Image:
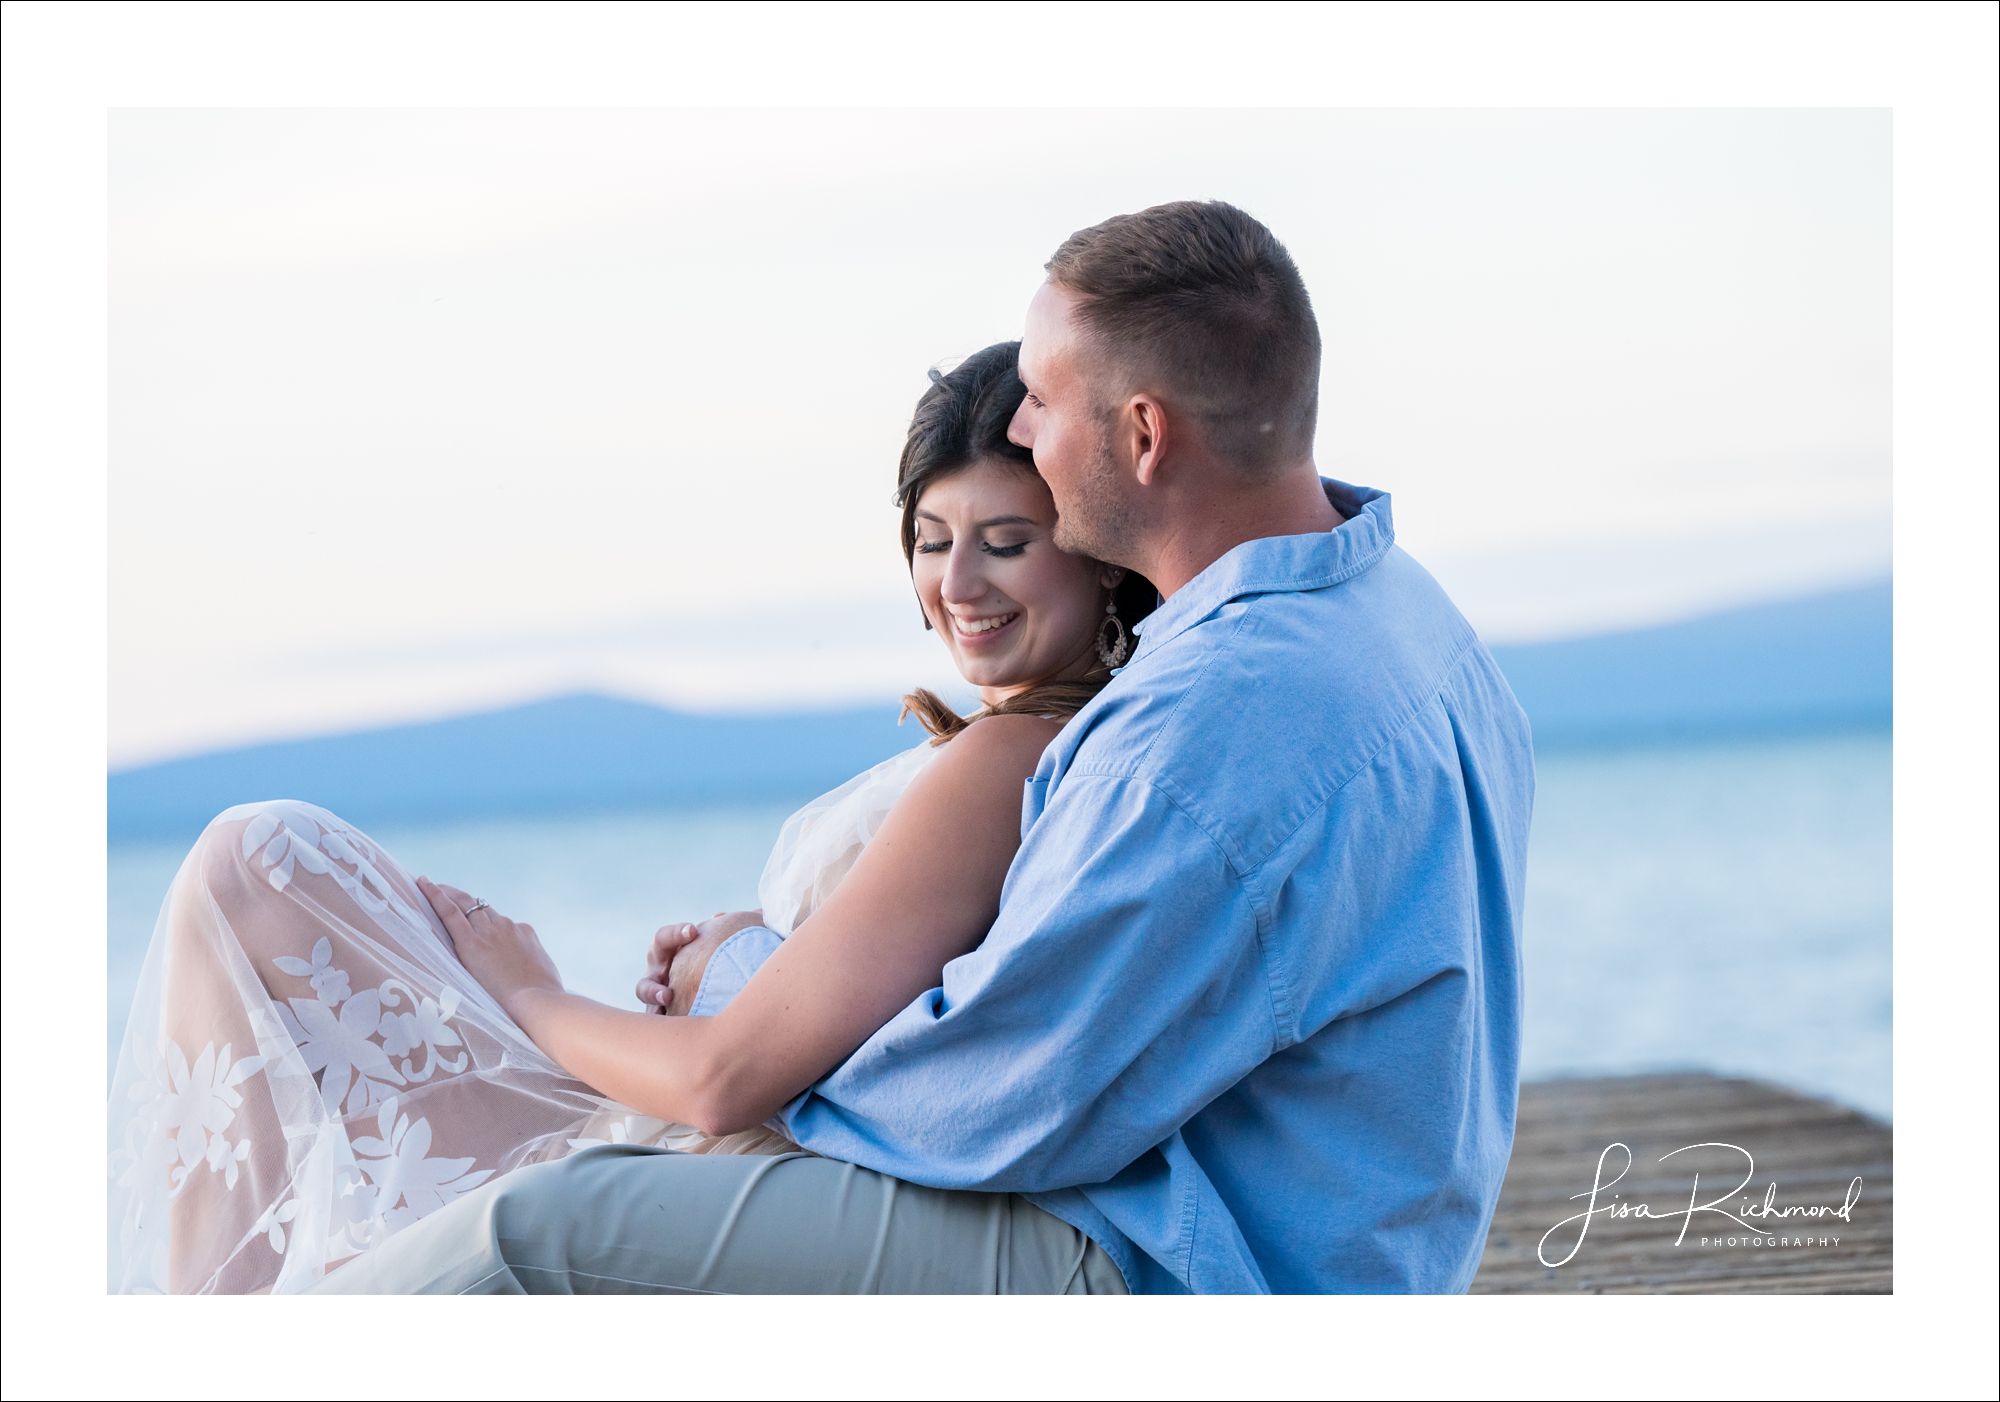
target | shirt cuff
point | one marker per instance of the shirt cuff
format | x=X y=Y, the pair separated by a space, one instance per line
x=731 y=966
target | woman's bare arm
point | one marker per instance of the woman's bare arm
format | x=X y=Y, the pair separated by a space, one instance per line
x=925 y=891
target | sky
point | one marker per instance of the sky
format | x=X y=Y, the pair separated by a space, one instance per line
x=422 y=412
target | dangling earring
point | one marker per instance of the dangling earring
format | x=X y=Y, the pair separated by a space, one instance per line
x=1113 y=642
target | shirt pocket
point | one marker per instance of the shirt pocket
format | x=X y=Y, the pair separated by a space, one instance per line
x=1034 y=798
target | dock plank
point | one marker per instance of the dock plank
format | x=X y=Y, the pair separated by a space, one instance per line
x=1812 y=1150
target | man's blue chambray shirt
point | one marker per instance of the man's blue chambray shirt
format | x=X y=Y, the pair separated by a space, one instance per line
x=1250 y=1014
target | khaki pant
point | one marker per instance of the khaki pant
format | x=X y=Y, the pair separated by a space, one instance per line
x=623 y=1219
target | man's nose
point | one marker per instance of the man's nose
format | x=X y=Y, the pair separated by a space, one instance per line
x=1020 y=431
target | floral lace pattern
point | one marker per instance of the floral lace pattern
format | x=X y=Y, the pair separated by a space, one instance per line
x=405 y=1184
x=383 y=1085
x=351 y=1039
x=288 y=836
x=338 y=1055
x=189 y=1108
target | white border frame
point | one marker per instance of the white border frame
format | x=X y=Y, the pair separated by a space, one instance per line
x=65 y=64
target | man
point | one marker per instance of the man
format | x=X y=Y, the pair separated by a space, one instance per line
x=1249 y=1017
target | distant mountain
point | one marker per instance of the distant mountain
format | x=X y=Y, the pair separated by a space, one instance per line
x=573 y=753
x=1806 y=664
x=1811 y=664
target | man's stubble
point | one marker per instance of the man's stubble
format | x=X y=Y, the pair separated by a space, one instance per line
x=1098 y=521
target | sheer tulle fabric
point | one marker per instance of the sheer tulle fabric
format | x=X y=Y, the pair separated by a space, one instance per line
x=818 y=845
x=308 y=1069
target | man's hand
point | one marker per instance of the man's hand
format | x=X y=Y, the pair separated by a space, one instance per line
x=679 y=956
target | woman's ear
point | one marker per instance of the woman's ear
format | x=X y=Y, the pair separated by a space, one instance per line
x=1111 y=576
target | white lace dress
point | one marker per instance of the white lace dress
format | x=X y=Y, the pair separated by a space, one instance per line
x=308 y=1069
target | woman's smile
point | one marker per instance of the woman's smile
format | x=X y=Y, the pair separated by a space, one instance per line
x=982 y=630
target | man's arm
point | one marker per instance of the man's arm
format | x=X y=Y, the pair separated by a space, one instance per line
x=678 y=958
x=1121 y=989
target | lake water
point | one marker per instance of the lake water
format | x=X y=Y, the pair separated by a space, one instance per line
x=1721 y=905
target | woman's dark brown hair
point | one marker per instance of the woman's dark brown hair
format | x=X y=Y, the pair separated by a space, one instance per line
x=962 y=419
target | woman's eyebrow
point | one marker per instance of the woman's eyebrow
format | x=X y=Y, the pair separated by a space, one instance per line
x=981 y=525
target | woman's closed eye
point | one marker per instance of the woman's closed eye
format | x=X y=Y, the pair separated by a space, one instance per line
x=1004 y=552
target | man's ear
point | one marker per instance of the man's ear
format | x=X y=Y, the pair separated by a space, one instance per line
x=1146 y=423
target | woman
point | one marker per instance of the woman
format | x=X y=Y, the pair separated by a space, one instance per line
x=324 y=1049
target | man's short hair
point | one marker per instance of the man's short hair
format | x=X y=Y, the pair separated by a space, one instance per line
x=1201 y=303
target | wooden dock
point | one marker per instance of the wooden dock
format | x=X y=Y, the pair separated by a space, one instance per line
x=1812 y=1151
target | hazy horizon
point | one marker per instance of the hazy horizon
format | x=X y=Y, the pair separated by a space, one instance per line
x=1577 y=695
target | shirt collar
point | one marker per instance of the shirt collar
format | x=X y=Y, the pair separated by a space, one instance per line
x=1280 y=564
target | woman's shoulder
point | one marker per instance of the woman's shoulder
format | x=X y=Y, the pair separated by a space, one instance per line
x=995 y=749
x=1008 y=734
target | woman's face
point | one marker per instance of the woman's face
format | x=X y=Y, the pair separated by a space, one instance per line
x=1014 y=610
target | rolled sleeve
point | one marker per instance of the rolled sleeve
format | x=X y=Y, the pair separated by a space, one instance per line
x=731 y=967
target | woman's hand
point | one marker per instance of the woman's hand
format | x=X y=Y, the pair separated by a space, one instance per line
x=679 y=957
x=655 y=991
x=506 y=958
